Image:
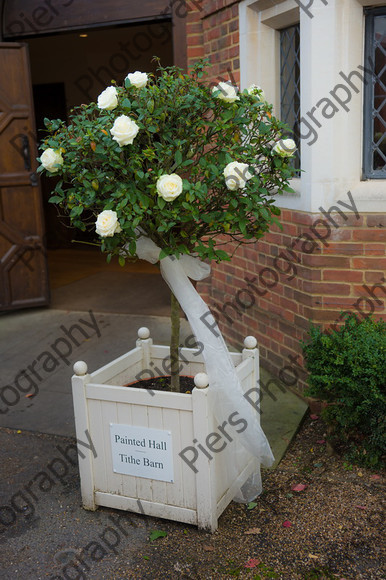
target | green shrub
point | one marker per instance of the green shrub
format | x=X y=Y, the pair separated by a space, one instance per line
x=347 y=370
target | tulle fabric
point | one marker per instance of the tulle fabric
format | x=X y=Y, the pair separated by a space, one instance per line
x=225 y=391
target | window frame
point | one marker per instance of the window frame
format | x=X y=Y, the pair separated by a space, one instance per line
x=368 y=99
x=333 y=165
x=293 y=133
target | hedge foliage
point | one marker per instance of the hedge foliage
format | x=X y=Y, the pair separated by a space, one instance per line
x=347 y=370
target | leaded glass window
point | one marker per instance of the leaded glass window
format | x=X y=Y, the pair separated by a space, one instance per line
x=290 y=85
x=374 y=141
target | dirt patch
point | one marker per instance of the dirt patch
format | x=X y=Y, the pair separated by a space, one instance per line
x=163 y=384
x=318 y=518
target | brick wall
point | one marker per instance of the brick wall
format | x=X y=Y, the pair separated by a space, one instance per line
x=312 y=269
x=214 y=33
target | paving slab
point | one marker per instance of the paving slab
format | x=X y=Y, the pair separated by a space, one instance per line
x=44 y=531
x=38 y=349
x=282 y=413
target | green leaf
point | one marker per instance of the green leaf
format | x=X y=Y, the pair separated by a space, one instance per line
x=55 y=199
x=150 y=105
x=76 y=211
x=163 y=254
x=251 y=505
x=187 y=162
x=221 y=255
x=178 y=157
x=132 y=247
x=227 y=115
x=121 y=261
x=155 y=534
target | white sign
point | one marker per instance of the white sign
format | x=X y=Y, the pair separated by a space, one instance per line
x=142 y=452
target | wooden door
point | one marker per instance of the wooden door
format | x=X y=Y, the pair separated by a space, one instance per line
x=23 y=264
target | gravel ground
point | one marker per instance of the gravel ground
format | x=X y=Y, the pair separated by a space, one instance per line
x=336 y=526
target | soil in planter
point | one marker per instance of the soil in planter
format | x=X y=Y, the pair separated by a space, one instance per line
x=163 y=384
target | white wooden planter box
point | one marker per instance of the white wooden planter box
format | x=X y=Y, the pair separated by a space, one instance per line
x=100 y=399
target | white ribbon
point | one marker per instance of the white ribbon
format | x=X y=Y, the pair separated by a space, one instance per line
x=225 y=389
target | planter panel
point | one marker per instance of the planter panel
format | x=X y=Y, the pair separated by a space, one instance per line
x=193 y=497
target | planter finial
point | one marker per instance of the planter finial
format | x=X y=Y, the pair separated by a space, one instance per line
x=143 y=333
x=201 y=380
x=80 y=368
x=250 y=342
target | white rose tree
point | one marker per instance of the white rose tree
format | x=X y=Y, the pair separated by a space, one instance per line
x=166 y=157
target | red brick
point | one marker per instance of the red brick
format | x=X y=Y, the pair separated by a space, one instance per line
x=193 y=16
x=341 y=234
x=290 y=305
x=290 y=230
x=234 y=25
x=225 y=67
x=303 y=218
x=234 y=51
x=285 y=215
x=376 y=221
x=302 y=322
x=374 y=235
x=304 y=298
x=343 y=275
x=375 y=249
x=322 y=288
x=195 y=40
x=275 y=347
x=339 y=302
x=288 y=315
x=375 y=291
x=374 y=277
x=223 y=42
x=196 y=51
x=273 y=333
x=193 y=28
x=222 y=17
x=308 y=273
x=329 y=316
x=325 y=261
x=343 y=249
x=347 y=219
x=369 y=263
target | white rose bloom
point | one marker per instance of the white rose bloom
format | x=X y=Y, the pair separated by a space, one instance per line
x=107 y=224
x=169 y=186
x=138 y=79
x=124 y=130
x=257 y=91
x=108 y=99
x=236 y=175
x=285 y=147
x=51 y=159
x=227 y=92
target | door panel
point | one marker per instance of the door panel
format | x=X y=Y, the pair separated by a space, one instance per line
x=23 y=263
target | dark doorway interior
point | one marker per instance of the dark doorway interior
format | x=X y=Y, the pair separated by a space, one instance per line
x=50 y=102
x=69 y=69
